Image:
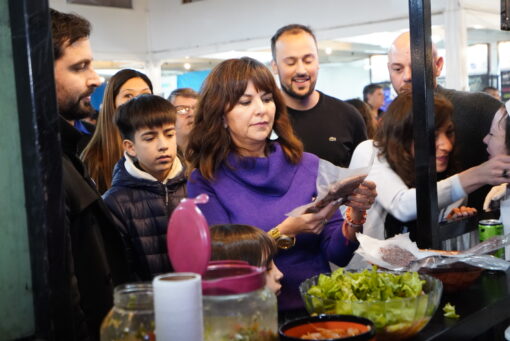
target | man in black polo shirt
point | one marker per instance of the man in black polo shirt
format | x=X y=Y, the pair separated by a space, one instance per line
x=328 y=127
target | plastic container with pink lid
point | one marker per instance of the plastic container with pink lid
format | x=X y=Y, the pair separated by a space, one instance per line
x=236 y=304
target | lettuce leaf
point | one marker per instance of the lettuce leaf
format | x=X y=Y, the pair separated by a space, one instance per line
x=449 y=311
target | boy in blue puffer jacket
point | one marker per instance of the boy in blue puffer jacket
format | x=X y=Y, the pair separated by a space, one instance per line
x=148 y=182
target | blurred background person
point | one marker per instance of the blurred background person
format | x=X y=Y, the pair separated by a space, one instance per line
x=184 y=100
x=493 y=92
x=105 y=147
x=373 y=95
x=363 y=108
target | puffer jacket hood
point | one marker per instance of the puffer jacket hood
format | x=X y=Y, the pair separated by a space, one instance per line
x=122 y=178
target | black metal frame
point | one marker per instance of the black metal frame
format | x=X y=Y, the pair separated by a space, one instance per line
x=505 y=15
x=424 y=124
x=430 y=233
x=40 y=145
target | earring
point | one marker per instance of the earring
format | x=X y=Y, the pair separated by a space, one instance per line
x=273 y=136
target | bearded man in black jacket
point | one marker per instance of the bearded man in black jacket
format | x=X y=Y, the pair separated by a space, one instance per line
x=91 y=256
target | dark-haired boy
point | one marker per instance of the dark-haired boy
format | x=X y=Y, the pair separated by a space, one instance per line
x=148 y=182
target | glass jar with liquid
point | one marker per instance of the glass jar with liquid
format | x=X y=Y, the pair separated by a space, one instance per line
x=132 y=316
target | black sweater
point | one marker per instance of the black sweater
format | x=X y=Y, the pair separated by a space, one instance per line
x=331 y=130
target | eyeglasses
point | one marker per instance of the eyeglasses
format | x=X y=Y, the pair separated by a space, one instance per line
x=184 y=109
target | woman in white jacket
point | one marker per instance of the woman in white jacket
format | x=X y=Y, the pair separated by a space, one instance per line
x=394 y=173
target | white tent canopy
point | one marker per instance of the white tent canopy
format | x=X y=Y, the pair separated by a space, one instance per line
x=155 y=31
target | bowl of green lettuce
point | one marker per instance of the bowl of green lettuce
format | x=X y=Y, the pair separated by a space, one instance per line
x=399 y=303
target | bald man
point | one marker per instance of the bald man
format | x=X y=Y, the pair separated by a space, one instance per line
x=472 y=111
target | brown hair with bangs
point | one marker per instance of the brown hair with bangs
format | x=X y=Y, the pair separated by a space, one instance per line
x=242 y=242
x=394 y=136
x=145 y=111
x=209 y=142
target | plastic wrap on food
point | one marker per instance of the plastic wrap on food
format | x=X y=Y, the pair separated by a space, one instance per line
x=399 y=253
x=334 y=184
x=492 y=244
x=486 y=262
x=395 y=253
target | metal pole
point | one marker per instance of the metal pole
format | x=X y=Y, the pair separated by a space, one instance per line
x=41 y=154
x=424 y=124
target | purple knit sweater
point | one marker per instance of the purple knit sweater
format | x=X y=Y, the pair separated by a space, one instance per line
x=259 y=192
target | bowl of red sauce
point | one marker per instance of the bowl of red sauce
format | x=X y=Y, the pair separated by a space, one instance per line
x=328 y=328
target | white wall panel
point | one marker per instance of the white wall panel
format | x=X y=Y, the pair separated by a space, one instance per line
x=117 y=33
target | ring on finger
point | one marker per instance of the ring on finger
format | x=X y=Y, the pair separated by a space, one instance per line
x=505 y=173
x=324 y=221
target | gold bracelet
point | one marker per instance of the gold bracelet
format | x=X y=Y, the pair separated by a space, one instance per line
x=282 y=240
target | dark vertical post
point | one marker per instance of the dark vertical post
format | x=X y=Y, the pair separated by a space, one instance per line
x=424 y=125
x=505 y=15
x=41 y=153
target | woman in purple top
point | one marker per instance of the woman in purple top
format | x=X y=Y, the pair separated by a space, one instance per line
x=253 y=180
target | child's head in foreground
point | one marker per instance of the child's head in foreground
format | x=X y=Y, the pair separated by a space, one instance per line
x=249 y=244
x=147 y=126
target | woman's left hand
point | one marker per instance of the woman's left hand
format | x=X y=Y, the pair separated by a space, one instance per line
x=362 y=198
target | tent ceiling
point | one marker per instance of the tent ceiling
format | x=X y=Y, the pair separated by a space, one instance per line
x=166 y=32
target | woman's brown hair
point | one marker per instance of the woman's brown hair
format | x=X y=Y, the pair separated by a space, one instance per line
x=364 y=110
x=209 y=141
x=105 y=147
x=242 y=242
x=395 y=139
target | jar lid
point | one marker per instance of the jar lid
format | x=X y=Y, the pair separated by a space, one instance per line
x=226 y=278
x=188 y=237
x=189 y=250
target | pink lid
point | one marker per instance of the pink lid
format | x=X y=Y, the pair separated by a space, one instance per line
x=188 y=238
x=189 y=250
x=232 y=278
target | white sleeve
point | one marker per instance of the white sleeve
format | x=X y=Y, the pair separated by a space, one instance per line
x=399 y=200
x=363 y=155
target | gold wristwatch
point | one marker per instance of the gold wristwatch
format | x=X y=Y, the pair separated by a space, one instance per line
x=282 y=240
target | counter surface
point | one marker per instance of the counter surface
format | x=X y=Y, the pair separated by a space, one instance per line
x=484 y=305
